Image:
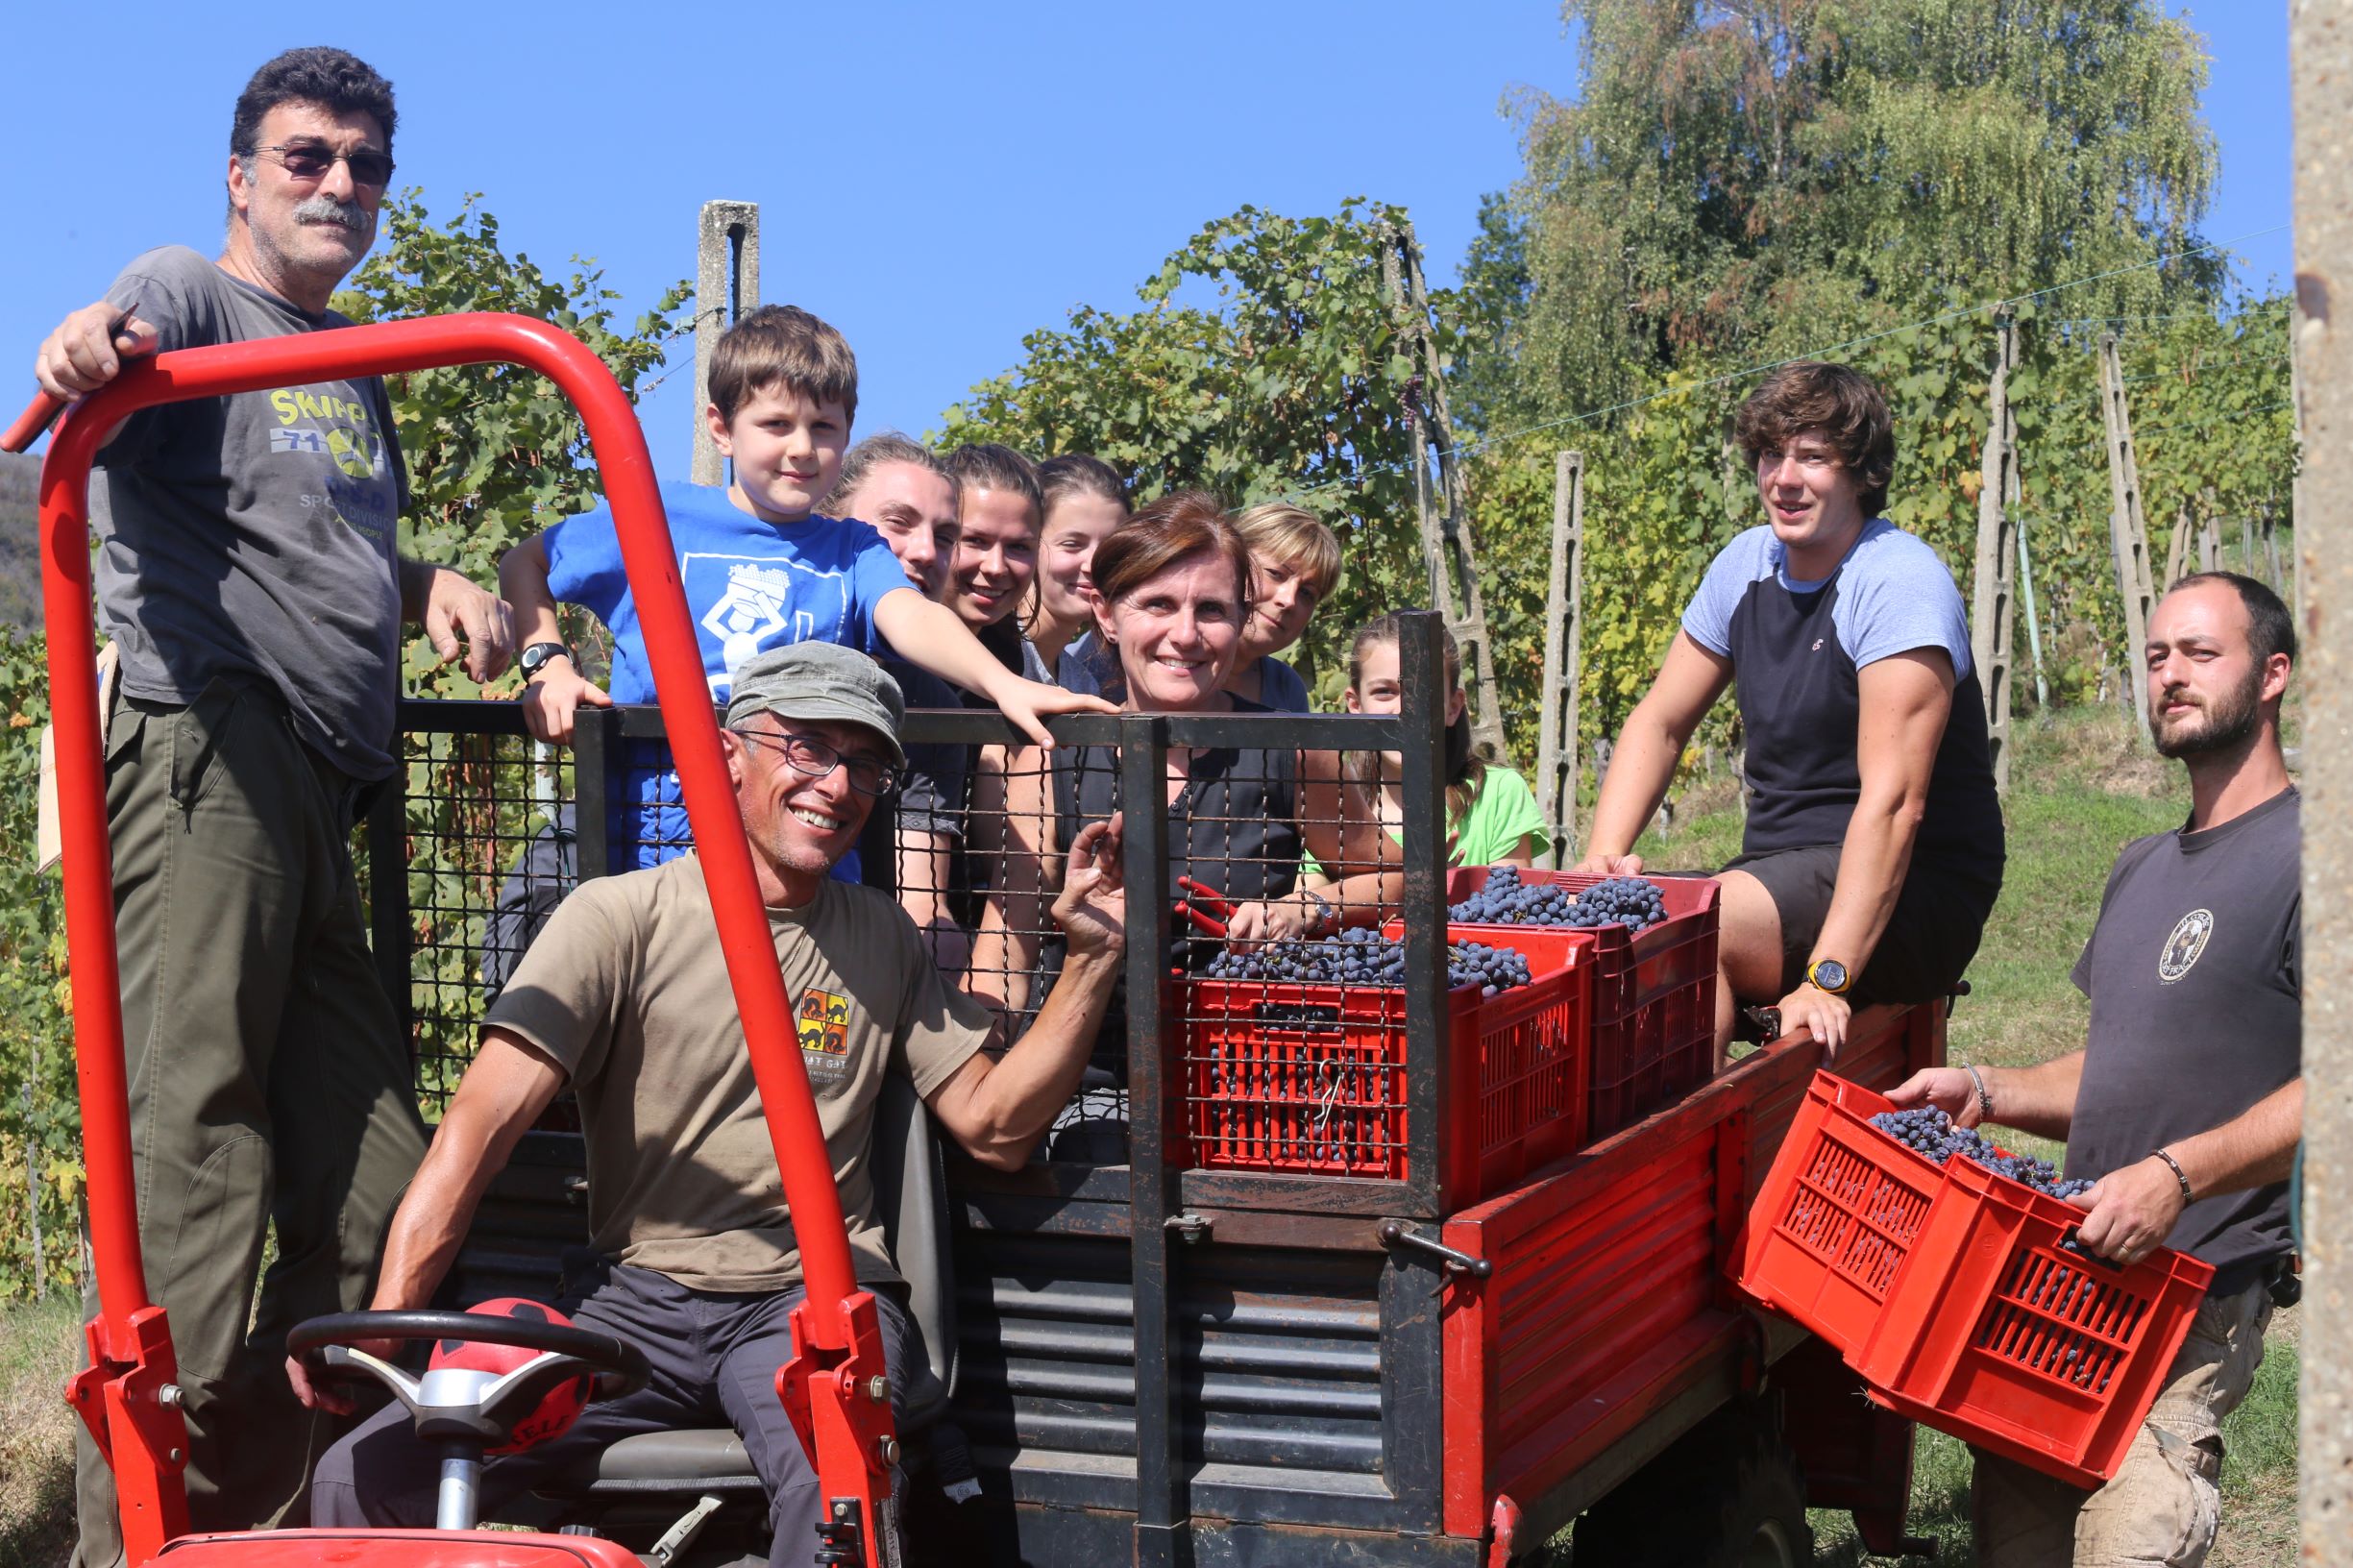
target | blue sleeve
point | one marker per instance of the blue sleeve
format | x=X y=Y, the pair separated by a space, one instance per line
x=874 y=571
x=1708 y=617
x=584 y=563
x=1902 y=599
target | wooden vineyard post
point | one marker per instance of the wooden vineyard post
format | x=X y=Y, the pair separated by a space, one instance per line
x=1992 y=606
x=2127 y=536
x=1563 y=634
x=1447 y=546
x=2177 y=551
x=727 y=285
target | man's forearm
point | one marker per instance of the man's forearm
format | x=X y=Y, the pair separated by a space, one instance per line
x=1871 y=863
x=416 y=579
x=1033 y=1080
x=2040 y=1099
x=2253 y=1149
x=430 y=1224
x=1640 y=769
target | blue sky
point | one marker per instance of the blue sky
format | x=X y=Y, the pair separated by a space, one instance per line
x=936 y=180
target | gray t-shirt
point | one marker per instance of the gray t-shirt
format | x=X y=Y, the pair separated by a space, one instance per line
x=2195 y=977
x=255 y=535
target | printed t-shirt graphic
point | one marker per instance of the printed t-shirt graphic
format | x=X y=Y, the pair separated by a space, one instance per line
x=824 y=1027
x=253 y=535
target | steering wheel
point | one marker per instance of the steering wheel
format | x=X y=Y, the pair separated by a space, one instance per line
x=466 y=1411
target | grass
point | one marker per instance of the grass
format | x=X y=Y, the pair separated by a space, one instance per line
x=36 y=1467
x=2080 y=789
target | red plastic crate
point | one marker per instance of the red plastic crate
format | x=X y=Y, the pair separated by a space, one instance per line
x=1958 y=1295
x=1653 y=992
x=1310 y=1079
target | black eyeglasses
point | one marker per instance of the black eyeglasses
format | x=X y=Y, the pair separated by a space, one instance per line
x=805 y=754
x=312 y=160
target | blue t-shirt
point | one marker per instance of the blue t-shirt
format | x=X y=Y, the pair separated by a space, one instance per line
x=1797 y=650
x=1894 y=595
x=751 y=586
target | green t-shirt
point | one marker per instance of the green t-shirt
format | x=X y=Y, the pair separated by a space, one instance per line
x=1502 y=815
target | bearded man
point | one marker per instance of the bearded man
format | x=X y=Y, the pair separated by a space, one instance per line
x=2187 y=1101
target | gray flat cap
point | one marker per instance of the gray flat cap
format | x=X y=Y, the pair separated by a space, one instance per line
x=819 y=682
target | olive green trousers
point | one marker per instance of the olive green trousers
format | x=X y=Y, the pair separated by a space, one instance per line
x=270 y=1085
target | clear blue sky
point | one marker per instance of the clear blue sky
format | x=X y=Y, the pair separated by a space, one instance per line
x=936 y=180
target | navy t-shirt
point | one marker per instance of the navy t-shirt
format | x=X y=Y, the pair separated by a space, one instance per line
x=1797 y=648
x=2195 y=977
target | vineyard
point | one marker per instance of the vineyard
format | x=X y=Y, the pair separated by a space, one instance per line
x=1272 y=356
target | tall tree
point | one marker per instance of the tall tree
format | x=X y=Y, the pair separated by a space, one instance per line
x=1749 y=178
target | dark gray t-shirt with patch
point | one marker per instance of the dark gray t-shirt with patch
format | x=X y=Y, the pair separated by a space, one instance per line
x=2196 y=976
x=255 y=535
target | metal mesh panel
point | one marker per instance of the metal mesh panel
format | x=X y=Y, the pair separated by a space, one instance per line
x=490 y=848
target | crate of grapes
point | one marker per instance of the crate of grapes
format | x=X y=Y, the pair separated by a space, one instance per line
x=1294 y=1060
x=1652 y=941
x=1945 y=1269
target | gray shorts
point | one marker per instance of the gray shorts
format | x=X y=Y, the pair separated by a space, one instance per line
x=1929 y=940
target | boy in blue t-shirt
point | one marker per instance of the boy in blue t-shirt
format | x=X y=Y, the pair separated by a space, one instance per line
x=759 y=567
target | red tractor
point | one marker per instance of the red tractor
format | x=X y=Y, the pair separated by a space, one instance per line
x=127 y=1396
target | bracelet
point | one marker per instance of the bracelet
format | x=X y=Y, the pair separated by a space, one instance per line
x=2180 y=1175
x=1985 y=1097
x=1324 y=916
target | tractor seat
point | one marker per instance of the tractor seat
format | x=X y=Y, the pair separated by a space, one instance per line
x=911 y=1195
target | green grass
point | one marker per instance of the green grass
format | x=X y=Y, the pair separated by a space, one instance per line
x=2080 y=789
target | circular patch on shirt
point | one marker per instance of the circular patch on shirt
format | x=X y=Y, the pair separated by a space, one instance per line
x=2183 y=947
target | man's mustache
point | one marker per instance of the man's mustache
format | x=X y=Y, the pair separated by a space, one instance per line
x=325 y=209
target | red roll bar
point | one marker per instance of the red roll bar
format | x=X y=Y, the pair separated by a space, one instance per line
x=121 y=1396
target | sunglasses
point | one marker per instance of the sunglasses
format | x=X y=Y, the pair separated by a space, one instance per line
x=312 y=160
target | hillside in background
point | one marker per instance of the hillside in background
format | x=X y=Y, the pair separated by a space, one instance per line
x=21 y=568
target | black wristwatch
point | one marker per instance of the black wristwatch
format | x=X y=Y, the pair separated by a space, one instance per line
x=535 y=658
x=1829 y=974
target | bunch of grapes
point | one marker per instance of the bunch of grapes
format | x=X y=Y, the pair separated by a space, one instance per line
x=1359 y=957
x=1928 y=1131
x=1629 y=901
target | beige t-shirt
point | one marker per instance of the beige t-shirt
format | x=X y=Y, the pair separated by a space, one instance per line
x=626 y=990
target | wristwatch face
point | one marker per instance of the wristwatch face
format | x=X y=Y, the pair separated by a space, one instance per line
x=1830 y=975
x=537 y=654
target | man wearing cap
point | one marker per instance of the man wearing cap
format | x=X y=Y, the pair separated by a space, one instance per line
x=625 y=996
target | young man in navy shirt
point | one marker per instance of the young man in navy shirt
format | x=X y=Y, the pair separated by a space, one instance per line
x=1874 y=848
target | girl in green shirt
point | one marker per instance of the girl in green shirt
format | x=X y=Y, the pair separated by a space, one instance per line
x=1491 y=817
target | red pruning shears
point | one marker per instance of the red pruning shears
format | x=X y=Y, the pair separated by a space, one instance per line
x=1207 y=909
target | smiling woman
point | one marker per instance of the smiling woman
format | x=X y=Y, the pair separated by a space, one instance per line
x=1172 y=590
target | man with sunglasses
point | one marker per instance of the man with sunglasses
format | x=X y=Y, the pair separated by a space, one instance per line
x=625 y=996
x=248 y=576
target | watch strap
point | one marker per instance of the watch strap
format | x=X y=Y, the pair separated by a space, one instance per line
x=546 y=651
x=1845 y=977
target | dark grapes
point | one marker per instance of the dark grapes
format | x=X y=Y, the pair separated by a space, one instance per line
x=1928 y=1131
x=1360 y=957
x=1631 y=901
